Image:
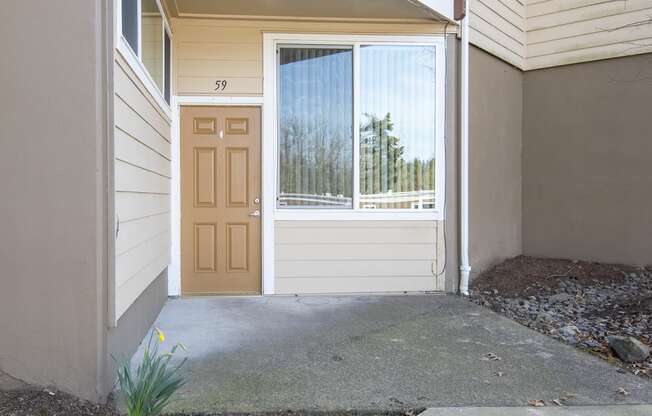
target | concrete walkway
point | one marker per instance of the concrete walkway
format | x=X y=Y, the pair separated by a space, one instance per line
x=254 y=354
x=622 y=410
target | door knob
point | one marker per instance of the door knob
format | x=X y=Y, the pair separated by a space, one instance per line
x=256 y=213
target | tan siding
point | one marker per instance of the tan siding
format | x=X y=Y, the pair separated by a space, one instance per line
x=207 y=50
x=142 y=185
x=354 y=284
x=136 y=232
x=562 y=32
x=543 y=33
x=357 y=256
x=132 y=206
x=132 y=151
x=498 y=26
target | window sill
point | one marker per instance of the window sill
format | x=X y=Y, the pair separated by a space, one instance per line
x=143 y=75
x=316 y=214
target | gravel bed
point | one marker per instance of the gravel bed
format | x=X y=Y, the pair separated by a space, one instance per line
x=579 y=303
x=39 y=402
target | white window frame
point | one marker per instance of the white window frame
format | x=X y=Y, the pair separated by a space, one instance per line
x=134 y=60
x=270 y=145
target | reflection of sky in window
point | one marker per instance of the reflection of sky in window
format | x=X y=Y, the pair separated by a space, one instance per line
x=400 y=80
x=316 y=91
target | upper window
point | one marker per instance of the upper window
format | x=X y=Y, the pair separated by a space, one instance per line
x=388 y=160
x=152 y=31
x=144 y=30
x=130 y=19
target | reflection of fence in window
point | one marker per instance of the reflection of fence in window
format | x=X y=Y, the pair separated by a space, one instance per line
x=322 y=201
x=424 y=199
x=391 y=200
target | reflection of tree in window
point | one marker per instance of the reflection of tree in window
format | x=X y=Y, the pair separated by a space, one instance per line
x=315 y=161
x=397 y=126
x=383 y=168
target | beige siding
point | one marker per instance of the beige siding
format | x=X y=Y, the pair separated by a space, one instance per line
x=313 y=256
x=358 y=256
x=142 y=186
x=208 y=50
x=568 y=31
x=498 y=26
x=532 y=34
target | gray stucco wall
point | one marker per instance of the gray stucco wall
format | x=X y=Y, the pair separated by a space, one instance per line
x=495 y=141
x=133 y=325
x=53 y=209
x=587 y=161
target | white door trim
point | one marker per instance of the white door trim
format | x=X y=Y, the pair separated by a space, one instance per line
x=267 y=240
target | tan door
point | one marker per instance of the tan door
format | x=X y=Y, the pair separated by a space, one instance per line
x=220 y=200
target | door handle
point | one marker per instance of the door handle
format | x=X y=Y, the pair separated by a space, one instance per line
x=256 y=213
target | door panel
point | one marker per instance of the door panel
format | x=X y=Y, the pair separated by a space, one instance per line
x=220 y=200
x=204 y=177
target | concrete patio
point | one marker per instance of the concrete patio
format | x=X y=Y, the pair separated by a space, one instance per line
x=254 y=354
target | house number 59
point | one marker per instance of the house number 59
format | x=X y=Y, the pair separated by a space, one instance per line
x=220 y=85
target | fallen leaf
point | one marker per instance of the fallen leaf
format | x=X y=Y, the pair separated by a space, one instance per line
x=536 y=403
x=568 y=396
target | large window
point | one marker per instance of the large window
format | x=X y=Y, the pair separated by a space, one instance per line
x=145 y=36
x=358 y=126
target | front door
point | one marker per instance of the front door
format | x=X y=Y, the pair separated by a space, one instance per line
x=220 y=200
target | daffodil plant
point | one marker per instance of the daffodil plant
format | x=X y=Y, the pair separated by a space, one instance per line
x=148 y=388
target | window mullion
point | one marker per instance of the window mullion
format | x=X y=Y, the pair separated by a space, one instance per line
x=356 y=126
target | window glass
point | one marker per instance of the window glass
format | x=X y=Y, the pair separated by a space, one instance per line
x=152 y=40
x=167 y=67
x=315 y=136
x=397 y=127
x=130 y=23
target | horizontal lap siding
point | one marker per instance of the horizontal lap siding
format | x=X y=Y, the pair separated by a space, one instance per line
x=313 y=256
x=208 y=50
x=565 y=32
x=142 y=186
x=358 y=256
x=498 y=26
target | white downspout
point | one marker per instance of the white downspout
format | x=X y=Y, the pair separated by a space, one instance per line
x=465 y=267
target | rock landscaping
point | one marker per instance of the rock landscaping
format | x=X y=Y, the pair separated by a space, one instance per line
x=602 y=308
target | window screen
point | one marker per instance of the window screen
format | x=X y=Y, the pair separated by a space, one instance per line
x=130 y=23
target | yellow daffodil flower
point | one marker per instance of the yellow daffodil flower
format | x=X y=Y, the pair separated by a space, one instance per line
x=160 y=335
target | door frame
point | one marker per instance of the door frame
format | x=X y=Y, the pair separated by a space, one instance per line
x=267 y=228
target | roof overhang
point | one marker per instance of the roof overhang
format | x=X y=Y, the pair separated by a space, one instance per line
x=354 y=10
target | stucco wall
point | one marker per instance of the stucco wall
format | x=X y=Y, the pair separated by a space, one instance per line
x=495 y=117
x=587 y=155
x=53 y=209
